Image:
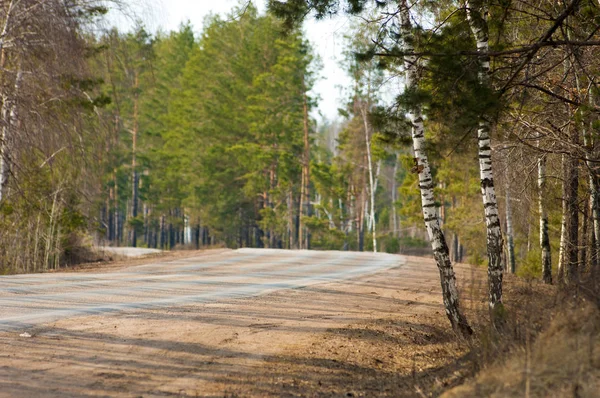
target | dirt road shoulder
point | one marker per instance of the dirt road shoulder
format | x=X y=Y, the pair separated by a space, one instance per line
x=381 y=334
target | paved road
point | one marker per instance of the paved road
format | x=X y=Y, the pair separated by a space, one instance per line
x=128 y=251
x=27 y=300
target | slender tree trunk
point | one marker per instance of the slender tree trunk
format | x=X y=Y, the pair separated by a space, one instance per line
x=134 y=173
x=371 y=177
x=361 y=221
x=116 y=235
x=544 y=237
x=563 y=225
x=271 y=204
x=572 y=255
x=395 y=225
x=147 y=231
x=51 y=231
x=301 y=212
x=594 y=194
x=110 y=215
x=477 y=16
x=291 y=228
x=455 y=248
x=161 y=232
x=509 y=228
x=438 y=241
x=594 y=197
x=583 y=236
x=304 y=190
x=116 y=213
x=4 y=151
x=455 y=251
x=36 y=243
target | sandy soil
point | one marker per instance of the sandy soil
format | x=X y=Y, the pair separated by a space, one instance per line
x=382 y=334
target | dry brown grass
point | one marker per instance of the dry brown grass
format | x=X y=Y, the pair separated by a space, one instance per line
x=548 y=346
x=564 y=361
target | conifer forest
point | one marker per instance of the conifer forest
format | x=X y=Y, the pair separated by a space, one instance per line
x=470 y=134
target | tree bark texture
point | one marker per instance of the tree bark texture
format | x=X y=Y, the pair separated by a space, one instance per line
x=372 y=185
x=303 y=239
x=438 y=241
x=572 y=232
x=544 y=237
x=477 y=16
x=134 y=173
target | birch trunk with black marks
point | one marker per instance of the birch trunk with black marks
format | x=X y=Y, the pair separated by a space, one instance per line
x=544 y=237
x=438 y=241
x=477 y=15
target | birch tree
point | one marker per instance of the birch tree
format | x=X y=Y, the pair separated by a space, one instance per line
x=426 y=184
x=477 y=13
x=543 y=221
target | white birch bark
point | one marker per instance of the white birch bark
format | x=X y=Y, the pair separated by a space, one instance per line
x=544 y=238
x=394 y=198
x=9 y=118
x=563 y=224
x=430 y=216
x=371 y=177
x=187 y=230
x=509 y=230
x=477 y=16
x=377 y=174
x=593 y=178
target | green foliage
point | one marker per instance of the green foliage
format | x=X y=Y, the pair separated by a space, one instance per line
x=219 y=118
x=294 y=11
x=531 y=266
x=389 y=243
x=323 y=236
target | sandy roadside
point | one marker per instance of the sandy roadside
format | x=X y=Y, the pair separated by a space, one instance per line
x=280 y=344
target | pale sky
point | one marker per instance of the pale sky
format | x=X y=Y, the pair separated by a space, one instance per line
x=325 y=36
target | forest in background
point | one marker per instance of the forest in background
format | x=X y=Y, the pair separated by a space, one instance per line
x=183 y=140
x=178 y=139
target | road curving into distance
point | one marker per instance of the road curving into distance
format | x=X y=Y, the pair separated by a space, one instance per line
x=29 y=300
